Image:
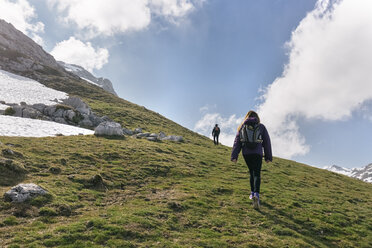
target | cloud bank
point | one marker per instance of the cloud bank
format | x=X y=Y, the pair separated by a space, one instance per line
x=111 y=17
x=328 y=75
x=21 y=14
x=228 y=126
x=76 y=52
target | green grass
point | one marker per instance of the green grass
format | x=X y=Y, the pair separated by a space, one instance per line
x=165 y=194
x=168 y=194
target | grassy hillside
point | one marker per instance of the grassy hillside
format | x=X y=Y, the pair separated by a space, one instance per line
x=177 y=195
x=164 y=194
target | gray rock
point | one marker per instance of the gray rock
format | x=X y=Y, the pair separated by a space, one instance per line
x=49 y=110
x=18 y=110
x=23 y=192
x=138 y=130
x=152 y=138
x=86 y=123
x=162 y=135
x=174 y=138
x=22 y=52
x=96 y=120
x=109 y=129
x=39 y=107
x=141 y=135
x=153 y=135
x=127 y=131
x=32 y=113
x=58 y=113
x=84 y=74
x=77 y=104
x=60 y=120
x=69 y=114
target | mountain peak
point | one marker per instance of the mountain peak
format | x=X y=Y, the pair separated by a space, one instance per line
x=78 y=70
x=363 y=173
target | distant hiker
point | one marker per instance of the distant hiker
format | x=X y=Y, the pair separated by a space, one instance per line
x=252 y=138
x=215 y=133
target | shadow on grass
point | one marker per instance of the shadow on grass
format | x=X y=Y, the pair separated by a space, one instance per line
x=308 y=230
x=109 y=137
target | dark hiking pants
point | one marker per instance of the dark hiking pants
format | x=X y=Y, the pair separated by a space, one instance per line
x=215 y=139
x=254 y=163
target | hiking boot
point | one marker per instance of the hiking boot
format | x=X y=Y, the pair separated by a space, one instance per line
x=251 y=195
x=256 y=200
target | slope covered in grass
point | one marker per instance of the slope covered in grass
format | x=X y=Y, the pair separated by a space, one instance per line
x=168 y=194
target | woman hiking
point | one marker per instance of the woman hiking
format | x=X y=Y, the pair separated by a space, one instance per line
x=253 y=139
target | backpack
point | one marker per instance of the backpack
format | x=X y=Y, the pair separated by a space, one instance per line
x=250 y=135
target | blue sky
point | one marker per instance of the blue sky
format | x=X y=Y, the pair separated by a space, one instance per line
x=302 y=64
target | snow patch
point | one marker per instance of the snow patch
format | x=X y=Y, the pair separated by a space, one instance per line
x=71 y=68
x=17 y=126
x=17 y=89
x=363 y=173
x=3 y=107
x=90 y=81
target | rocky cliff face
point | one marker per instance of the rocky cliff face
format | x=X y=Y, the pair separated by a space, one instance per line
x=20 y=54
x=104 y=83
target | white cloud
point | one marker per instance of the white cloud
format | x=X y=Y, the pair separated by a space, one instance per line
x=104 y=17
x=76 y=52
x=21 y=14
x=171 y=8
x=228 y=126
x=207 y=108
x=110 y=17
x=328 y=75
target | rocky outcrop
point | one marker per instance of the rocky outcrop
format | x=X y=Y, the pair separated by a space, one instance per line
x=77 y=70
x=19 y=53
x=73 y=111
x=24 y=192
x=108 y=128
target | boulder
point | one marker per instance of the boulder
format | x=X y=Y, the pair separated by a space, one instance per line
x=127 y=131
x=86 y=122
x=162 y=135
x=18 y=110
x=77 y=104
x=23 y=192
x=96 y=120
x=153 y=135
x=152 y=138
x=39 y=107
x=174 y=138
x=60 y=120
x=31 y=113
x=138 y=130
x=49 y=110
x=69 y=114
x=108 y=129
x=58 y=113
x=140 y=135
